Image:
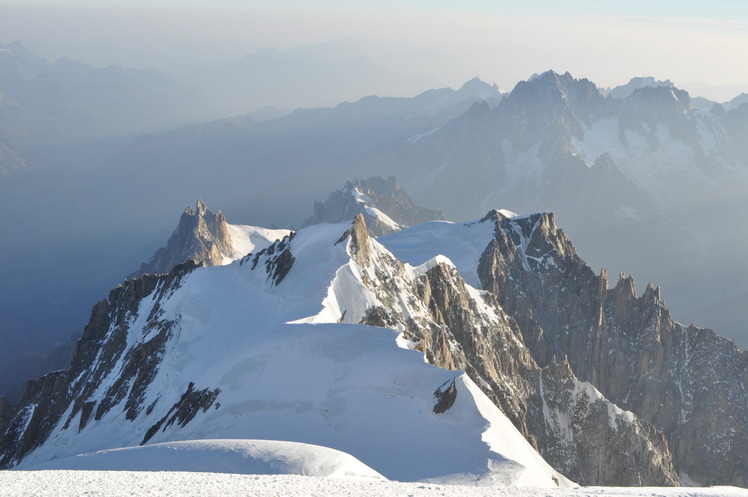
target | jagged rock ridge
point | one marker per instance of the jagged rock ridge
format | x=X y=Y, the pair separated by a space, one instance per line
x=386 y=207
x=685 y=382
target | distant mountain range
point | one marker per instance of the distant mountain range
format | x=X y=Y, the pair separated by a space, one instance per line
x=63 y=103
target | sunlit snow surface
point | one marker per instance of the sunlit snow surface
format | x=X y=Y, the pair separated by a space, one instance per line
x=168 y=484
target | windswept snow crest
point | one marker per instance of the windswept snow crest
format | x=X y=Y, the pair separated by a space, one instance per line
x=259 y=457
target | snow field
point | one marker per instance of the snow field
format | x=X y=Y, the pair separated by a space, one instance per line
x=176 y=484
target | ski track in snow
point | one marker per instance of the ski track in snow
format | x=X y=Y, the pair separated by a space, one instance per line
x=169 y=483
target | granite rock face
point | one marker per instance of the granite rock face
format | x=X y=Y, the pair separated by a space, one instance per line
x=201 y=236
x=686 y=381
x=386 y=207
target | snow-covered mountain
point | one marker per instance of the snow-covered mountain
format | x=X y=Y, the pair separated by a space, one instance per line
x=305 y=341
x=386 y=207
x=269 y=348
x=605 y=384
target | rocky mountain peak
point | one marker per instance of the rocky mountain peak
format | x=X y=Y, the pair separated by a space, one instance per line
x=478 y=88
x=202 y=236
x=385 y=206
x=623 y=91
x=358 y=234
x=551 y=87
x=201 y=208
x=16 y=49
x=660 y=103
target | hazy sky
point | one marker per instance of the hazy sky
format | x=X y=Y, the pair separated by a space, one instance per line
x=700 y=46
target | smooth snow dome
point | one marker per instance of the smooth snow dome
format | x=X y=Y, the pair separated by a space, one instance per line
x=173 y=484
x=344 y=386
x=261 y=457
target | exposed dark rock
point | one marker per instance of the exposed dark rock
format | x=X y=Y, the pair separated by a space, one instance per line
x=278 y=259
x=6 y=413
x=42 y=404
x=86 y=412
x=590 y=439
x=185 y=409
x=445 y=397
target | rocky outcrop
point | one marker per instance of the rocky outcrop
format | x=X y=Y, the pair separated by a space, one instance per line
x=385 y=206
x=201 y=236
x=278 y=259
x=184 y=410
x=686 y=381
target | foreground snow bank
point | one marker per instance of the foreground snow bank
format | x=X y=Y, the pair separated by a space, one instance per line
x=267 y=457
x=166 y=484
